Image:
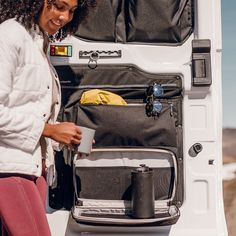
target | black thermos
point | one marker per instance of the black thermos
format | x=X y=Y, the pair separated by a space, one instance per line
x=143 y=200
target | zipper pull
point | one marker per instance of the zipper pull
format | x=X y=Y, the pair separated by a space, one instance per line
x=171 y=108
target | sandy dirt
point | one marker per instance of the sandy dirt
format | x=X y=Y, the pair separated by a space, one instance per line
x=229 y=156
x=230 y=205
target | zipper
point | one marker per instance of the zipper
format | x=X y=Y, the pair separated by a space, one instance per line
x=168 y=87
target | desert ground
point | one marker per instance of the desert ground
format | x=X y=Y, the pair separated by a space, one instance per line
x=229 y=157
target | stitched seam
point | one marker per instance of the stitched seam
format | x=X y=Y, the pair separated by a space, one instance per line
x=4 y=227
x=28 y=206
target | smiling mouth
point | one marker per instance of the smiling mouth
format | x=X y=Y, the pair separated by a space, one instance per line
x=56 y=23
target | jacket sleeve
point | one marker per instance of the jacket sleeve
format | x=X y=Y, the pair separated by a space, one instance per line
x=17 y=130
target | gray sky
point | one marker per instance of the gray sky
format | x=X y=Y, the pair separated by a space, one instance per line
x=229 y=62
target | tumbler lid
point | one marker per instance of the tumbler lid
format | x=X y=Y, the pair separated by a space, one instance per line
x=143 y=168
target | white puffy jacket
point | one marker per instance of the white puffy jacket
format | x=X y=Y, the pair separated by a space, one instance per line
x=25 y=99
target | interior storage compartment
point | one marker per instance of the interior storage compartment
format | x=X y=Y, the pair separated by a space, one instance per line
x=111 y=168
x=172 y=22
x=160 y=22
x=100 y=29
x=126 y=137
x=104 y=188
x=127 y=125
x=118 y=127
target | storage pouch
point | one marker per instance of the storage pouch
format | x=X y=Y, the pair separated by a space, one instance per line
x=125 y=138
x=127 y=125
x=167 y=22
x=103 y=186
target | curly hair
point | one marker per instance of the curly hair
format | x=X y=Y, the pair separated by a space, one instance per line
x=27 y=12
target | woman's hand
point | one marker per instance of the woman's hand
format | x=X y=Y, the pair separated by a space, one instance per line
x=66 y=133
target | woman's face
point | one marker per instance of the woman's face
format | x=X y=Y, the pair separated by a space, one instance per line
x=56 y=15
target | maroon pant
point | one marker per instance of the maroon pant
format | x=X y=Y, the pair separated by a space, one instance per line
x=22 y=206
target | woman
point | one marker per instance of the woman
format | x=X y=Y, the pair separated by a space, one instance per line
x=29 y=105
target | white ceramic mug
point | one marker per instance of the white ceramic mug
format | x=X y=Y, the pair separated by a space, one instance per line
x=86 y=143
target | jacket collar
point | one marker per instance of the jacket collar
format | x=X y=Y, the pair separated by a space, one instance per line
x=41 y=38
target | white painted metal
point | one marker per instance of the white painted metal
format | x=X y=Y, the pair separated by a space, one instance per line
x=202 y=212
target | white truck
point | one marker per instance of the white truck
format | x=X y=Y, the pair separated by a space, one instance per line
x=156 y=166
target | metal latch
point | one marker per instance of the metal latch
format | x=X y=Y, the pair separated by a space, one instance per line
x=201 y=62
x=93 y=56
